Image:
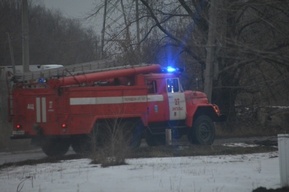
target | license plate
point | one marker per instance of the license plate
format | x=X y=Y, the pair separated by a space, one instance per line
x=18 y=132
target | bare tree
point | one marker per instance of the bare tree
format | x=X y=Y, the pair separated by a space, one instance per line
x=239 y=41
x=246 y=46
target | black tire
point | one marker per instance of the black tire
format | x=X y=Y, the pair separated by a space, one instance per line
x=135 y=139
x=133 y=131
x=55 y=147
x=155 y=140
x=81 y=144
x=203 y=131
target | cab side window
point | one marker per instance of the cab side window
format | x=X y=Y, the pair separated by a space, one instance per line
x=173 y=85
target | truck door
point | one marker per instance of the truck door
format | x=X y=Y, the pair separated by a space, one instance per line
x=176 y=100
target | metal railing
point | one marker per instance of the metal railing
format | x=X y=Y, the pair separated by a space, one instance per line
x=75 y=69
x=81 y=68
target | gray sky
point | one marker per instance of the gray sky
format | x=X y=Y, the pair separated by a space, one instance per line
x=71 y=8
x=76 y=9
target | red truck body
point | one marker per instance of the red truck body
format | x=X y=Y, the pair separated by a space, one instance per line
x=67 y=109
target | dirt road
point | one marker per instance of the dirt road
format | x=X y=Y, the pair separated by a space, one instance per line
x=35 y=154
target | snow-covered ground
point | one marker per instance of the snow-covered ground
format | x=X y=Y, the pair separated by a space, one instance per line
x=176 y=174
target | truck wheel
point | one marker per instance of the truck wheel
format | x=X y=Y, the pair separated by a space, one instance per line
x=55 y=147
x=203 y=131
x=81 y=144
x=122 y=131
x=135 y=139
x=155 y=140
x=133 y=133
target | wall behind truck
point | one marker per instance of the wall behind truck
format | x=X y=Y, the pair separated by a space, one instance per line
x=2 y=96
x=5 y=127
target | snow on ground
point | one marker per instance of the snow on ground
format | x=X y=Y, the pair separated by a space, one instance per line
x=225 y=173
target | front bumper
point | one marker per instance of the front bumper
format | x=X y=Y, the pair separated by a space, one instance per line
x=221 y=118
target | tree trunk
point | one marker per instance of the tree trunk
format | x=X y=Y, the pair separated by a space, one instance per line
x=25 y=37
x=137 y=27
x=210 y=58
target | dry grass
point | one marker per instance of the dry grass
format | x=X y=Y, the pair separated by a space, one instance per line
x=115 y=147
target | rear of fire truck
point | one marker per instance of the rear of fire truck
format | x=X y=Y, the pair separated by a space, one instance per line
x=58 y=112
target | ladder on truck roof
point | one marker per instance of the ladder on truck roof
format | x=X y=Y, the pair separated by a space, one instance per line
x=74 y=69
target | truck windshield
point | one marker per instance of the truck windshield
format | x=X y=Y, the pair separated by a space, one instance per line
x=173 y=85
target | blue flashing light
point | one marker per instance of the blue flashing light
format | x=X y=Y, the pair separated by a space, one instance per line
x=171 y=69
x=41 y=80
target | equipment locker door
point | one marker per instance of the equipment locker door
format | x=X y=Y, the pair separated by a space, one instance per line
x=157 y=106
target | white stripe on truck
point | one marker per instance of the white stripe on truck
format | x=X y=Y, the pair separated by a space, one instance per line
x=43 y=105
x=115 y=100
x=38 y=112
x=41 y=115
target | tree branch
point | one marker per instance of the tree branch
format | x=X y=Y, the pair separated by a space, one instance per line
x=183 y=44
x=187 y=8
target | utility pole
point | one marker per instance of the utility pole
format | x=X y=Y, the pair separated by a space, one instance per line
x=25 y=37
x=103 y=30
x=211 y=46
x=11 y=53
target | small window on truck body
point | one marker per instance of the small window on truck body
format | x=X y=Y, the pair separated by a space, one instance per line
x=152 y=86
x=173 y=85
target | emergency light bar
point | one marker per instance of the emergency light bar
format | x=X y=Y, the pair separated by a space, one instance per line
x=41 y=80
x=170 y=69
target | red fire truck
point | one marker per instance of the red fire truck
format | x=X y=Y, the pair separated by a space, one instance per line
x=66 y=108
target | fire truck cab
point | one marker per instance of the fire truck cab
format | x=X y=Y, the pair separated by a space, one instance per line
x=142 y=101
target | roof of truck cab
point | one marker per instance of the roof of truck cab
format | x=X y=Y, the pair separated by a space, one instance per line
x=161 y=75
